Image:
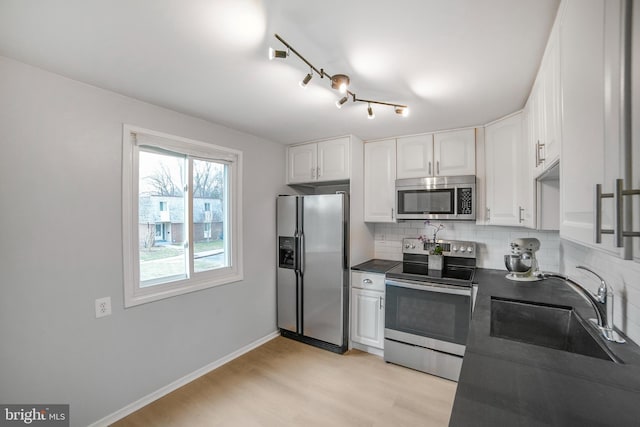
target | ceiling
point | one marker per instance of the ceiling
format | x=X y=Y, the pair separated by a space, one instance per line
x=455 y=63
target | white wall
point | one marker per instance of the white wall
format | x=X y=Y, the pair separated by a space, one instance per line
x=61 y=248
x=493 y=242
x=623 y=276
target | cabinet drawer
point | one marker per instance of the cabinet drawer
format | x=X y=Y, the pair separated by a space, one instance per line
x=364 y=280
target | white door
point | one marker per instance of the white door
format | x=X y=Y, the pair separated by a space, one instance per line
x=503 y=142
x=379 y=181
x=455 y=152
x=301 y=164
x=367 y=317
x=333 y=160
x=414 y=156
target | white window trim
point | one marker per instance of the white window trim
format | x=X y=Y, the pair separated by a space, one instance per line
x=133 y=293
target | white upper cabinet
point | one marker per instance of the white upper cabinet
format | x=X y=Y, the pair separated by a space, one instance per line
x=592 y=149
x=454 y=153
x=301 y=163
x=415 y=156
x=333 y=160
x=504 y=148
x=379 y=181
x=441 y=154
x=319 y=161
x=544 y=106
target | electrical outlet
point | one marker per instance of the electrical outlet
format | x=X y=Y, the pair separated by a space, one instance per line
x=103 y=307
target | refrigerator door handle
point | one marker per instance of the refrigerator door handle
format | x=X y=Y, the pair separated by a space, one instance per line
x=301 y=257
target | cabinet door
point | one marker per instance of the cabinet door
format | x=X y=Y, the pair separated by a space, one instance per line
x=551 y=98
x=301 y=164
x=503 y=142
x=367 y=317
x=536 y=121
x=588 y=156
x=455 y=152
x=379 y=181
x=333 y=160
x=415 y=156
x=527 y=186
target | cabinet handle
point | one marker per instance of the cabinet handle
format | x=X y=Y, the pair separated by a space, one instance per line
x=539 y=158
x=392 y=213
x=618 y=205
x=319 y=173
x=381 y=303
x=429 y=168
x=313 y=173
x=488 y=214
x=438 y=167
x=367 y=281
x=520 y=210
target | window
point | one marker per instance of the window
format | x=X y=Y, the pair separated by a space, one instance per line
x=181 y=215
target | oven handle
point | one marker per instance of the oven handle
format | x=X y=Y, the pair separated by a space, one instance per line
x=431 y=287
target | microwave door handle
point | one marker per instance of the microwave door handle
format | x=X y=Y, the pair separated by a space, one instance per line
x=455 y=202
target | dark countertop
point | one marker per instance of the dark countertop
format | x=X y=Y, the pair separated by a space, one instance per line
x=508 y=383
x=375 y=265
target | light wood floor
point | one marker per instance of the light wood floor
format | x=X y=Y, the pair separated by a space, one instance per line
x=287 y=383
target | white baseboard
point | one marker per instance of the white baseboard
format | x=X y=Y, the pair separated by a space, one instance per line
x=372 y=350
x=140 y=403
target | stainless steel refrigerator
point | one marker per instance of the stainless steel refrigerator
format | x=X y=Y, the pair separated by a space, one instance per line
x=312 y=278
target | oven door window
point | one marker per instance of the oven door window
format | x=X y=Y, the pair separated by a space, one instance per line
x=426 y=201
x=436 y=315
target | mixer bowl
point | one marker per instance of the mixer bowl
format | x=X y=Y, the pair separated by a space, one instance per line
x=515 y=264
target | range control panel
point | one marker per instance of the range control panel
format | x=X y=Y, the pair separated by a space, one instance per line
x=456 y=248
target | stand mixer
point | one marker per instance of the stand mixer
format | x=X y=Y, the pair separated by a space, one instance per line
x=521 y=263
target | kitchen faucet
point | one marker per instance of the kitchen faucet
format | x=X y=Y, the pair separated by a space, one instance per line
x=602 y=303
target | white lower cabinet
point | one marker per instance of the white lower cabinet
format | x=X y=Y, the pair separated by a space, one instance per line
x=367 y=309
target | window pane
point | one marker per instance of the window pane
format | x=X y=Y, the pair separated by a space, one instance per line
x=209 y=215
x=161 y=218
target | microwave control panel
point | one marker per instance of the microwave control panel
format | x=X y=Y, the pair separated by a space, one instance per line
x=465 y=201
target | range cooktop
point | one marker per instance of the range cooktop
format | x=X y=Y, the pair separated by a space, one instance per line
x=458 y=266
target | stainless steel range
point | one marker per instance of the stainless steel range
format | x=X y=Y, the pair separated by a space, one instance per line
x=427 y=316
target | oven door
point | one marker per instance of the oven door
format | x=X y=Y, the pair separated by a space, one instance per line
x=429 y=315
x=426 y=203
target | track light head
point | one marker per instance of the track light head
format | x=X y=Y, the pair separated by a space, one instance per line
x=340 y=82
x=341 y=101
x=304 y=82
x=403 y=111
x=370 y=114
x=273 y=53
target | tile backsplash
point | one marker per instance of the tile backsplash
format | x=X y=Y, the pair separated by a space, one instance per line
x=623 y=276
x=493 y=242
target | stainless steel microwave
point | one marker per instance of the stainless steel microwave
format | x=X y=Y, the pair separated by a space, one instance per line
x=437 y=198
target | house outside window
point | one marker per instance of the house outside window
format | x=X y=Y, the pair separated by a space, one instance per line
x=182 y=215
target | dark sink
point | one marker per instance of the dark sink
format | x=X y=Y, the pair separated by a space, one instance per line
x=546 y=325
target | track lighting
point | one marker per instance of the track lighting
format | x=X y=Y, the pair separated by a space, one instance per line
x=403 y=111
x=304 y=82
x=341 y=101
x=370 y=114
x=339 y=82
x=273 y=53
